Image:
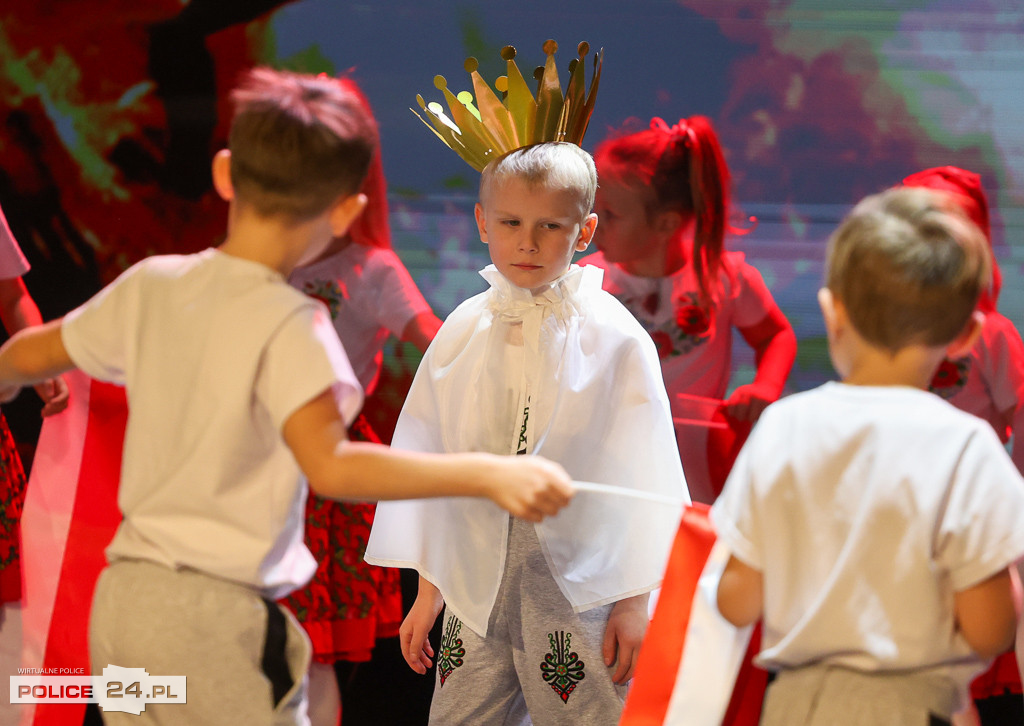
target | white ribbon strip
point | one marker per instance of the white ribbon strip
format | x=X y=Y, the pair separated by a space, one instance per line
x=589 y=486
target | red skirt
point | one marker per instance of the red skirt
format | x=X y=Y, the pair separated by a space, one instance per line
x=349 y=603
x=12 y=498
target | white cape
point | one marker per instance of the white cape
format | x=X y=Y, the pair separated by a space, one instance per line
x=597 y=406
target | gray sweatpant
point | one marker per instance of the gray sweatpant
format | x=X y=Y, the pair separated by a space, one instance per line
x=184 y=623
x=540 y=662
x=830 y=696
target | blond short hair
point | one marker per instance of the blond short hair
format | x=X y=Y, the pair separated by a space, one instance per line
x=909 y=268
x=298 y=142
x=559 y=166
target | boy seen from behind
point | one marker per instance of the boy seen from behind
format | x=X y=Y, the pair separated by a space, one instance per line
x=871 y=523
x=237 y=385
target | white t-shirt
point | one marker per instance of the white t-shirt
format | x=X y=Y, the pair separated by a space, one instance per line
x=12 y=260
x=695 y=349
x=370 y=295
x=215 y=352
x=866 y=508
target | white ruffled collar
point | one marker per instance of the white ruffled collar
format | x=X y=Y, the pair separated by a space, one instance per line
x=561 y=296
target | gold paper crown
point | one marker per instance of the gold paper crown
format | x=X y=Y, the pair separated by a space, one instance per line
x=485 y=130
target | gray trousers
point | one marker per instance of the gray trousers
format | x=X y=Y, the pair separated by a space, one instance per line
x=540 y=662
x=831 y=696
x=184 y=623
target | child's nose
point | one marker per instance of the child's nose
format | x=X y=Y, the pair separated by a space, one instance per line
x=528 y=242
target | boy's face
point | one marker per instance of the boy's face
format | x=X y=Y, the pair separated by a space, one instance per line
x=531 y=231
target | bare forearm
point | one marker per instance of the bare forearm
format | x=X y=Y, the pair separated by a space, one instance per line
x=639 y=602
x=17 y=309
x=33 y=355
x=421 y=330
x=364 y=471
x=774 y=344
x=527 y=486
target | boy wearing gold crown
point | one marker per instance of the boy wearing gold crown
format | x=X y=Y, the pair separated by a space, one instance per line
x=542 y=623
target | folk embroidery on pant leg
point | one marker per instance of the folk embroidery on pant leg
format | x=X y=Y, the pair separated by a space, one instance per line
x=561 y=669
x=452 y=650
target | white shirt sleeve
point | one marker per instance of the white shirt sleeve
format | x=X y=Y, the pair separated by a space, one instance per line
x=735 y=512
x=302 y=360
x=752 y=299
x=980 y=531
x=98 y=334
x=392 y=295
x=12 y=261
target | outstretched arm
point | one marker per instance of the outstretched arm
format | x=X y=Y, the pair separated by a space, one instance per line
x=774 y=345
x=18 y=311
x=32 y=355
x=528 y=487
x=421 y=330
x=740 y=593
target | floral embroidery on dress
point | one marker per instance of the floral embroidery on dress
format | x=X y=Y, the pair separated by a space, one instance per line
x=348 y=602
x=453 y=653
x=11 y=498
x=950 y=378
x=562 y=669
x=328 y=292
x=688 y=328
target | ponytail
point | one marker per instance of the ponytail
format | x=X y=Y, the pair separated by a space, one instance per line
x=709 y=200
x=684 y=168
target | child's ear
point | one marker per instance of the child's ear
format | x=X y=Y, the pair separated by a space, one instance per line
x=832 y=311
x=481 y=222
x=344 y=212
x=222 y=175
x=668 y=222
x=967 y=338
x=827 y=304
x=587 y=230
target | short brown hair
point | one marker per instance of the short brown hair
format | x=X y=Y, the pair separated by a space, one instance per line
x=556 y=165
x=298 y=142
x=909 y=267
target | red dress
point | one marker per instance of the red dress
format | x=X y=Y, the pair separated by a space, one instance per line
x=12 y=498
x=348 y=604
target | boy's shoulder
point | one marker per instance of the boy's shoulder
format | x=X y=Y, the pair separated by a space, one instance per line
x=220 y=280
x=899 y=408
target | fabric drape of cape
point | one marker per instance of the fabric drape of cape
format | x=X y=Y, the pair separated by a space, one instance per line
x=597 y=406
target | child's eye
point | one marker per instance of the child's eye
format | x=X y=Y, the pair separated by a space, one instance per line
x=552 y=225
x=510 y=222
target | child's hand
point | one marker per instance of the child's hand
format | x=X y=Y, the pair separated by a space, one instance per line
x=623 y=635
x=54 y=393
x=748 y=402
x=414 y=635
x=529 y=487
